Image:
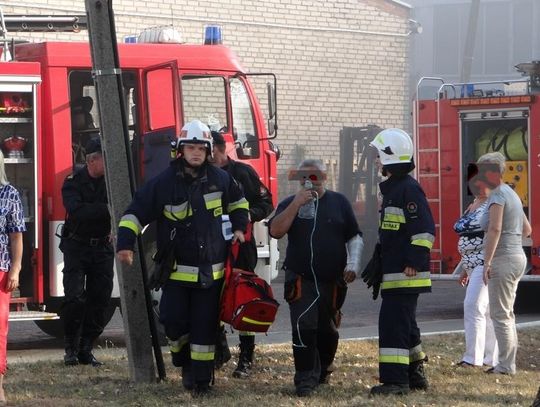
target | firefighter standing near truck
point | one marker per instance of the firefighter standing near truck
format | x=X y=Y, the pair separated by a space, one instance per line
x=188 y=200
x=88 y=257
x=406 y=235
x=260 y=206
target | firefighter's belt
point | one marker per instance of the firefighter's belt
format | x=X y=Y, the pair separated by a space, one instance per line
x=191 y=273
x=90 y=241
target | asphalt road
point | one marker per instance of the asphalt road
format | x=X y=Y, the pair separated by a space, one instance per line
x=360 y=317
x=438 y=312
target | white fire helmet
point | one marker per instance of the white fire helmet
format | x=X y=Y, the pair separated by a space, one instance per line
x=394 y=146
x=195 y=132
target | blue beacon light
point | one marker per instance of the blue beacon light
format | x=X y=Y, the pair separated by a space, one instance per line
x=213 y=35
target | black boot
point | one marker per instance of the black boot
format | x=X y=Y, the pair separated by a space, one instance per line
x=187 y=378
x=85 y=355
x=223 y=353
x=386 y=389
x=417 y=376
x=306 y=381
x=536 y=402
x=70 y=358
x=324 y=378
x=245 y=359
x=200 y=390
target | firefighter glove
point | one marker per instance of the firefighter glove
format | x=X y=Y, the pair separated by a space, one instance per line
x=163 y=267
x=372 y=274
x=376 y=289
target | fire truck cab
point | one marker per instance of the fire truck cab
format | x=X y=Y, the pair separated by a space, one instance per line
x=48 y=111
x=454 y=124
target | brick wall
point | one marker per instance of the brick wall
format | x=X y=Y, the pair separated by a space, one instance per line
x=335 y=67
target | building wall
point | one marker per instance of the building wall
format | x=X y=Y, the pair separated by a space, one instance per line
x=507 y=33
x=339 y=63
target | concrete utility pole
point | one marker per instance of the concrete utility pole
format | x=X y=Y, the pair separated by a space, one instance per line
x=115 y=146
x=470 y=40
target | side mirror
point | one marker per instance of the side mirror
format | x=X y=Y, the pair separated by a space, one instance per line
x=275 y=148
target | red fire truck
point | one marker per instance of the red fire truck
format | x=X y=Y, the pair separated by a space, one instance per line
x=456 y=125
x=48 y=112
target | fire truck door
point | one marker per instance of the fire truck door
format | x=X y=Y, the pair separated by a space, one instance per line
x=161 y=122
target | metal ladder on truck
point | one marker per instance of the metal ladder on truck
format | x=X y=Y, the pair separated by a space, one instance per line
x=426 y=138
x=23 y=23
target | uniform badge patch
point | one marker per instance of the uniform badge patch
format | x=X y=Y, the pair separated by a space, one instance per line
x=412 y=207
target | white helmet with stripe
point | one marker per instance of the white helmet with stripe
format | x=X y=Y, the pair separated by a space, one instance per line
x=394 y=146
x=195 y=132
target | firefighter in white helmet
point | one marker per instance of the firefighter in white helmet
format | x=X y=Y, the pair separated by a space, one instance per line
x=195 y=132
x=187 y=201
x=406 y=235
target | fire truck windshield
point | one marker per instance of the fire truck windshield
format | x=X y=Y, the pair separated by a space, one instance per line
x=203 y=98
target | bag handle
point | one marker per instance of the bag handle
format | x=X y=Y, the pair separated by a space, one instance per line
x=234 y=249
x=260 y=290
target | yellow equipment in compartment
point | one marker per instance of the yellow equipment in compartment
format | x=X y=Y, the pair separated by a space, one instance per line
x=516 y=175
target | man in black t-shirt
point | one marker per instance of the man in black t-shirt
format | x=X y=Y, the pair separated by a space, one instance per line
x=323 y=256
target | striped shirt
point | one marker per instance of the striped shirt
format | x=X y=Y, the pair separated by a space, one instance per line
x=11 y=221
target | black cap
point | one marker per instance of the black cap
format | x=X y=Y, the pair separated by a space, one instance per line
x=93 y=145
x=219 y=140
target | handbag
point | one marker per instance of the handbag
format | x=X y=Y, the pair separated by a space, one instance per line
x=247 y=302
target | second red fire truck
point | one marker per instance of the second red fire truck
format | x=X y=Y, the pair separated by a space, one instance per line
x=453 y=128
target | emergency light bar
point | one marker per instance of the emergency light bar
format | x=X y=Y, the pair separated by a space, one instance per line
x=160 y=35
x=213 y=35
x=497 y=100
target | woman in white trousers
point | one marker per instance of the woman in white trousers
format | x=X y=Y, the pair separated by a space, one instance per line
x=480 y=343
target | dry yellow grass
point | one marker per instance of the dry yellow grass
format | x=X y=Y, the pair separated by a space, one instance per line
x=46 y=384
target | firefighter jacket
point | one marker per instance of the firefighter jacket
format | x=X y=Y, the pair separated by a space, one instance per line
x=188 y=212
x=87 y=212
x=258 y=196
x=406 y=234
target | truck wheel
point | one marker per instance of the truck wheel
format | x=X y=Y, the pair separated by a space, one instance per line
x=55 y=327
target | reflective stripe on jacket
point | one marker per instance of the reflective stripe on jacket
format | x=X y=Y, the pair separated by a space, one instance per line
x=189 y=210
x=406 y=233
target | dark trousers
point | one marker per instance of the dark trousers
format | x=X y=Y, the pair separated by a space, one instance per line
x=314 y=333
x=399 y=337
x=191 y=314
x=88 y=283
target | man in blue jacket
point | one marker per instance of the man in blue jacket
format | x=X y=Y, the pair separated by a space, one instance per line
x=188 y=200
